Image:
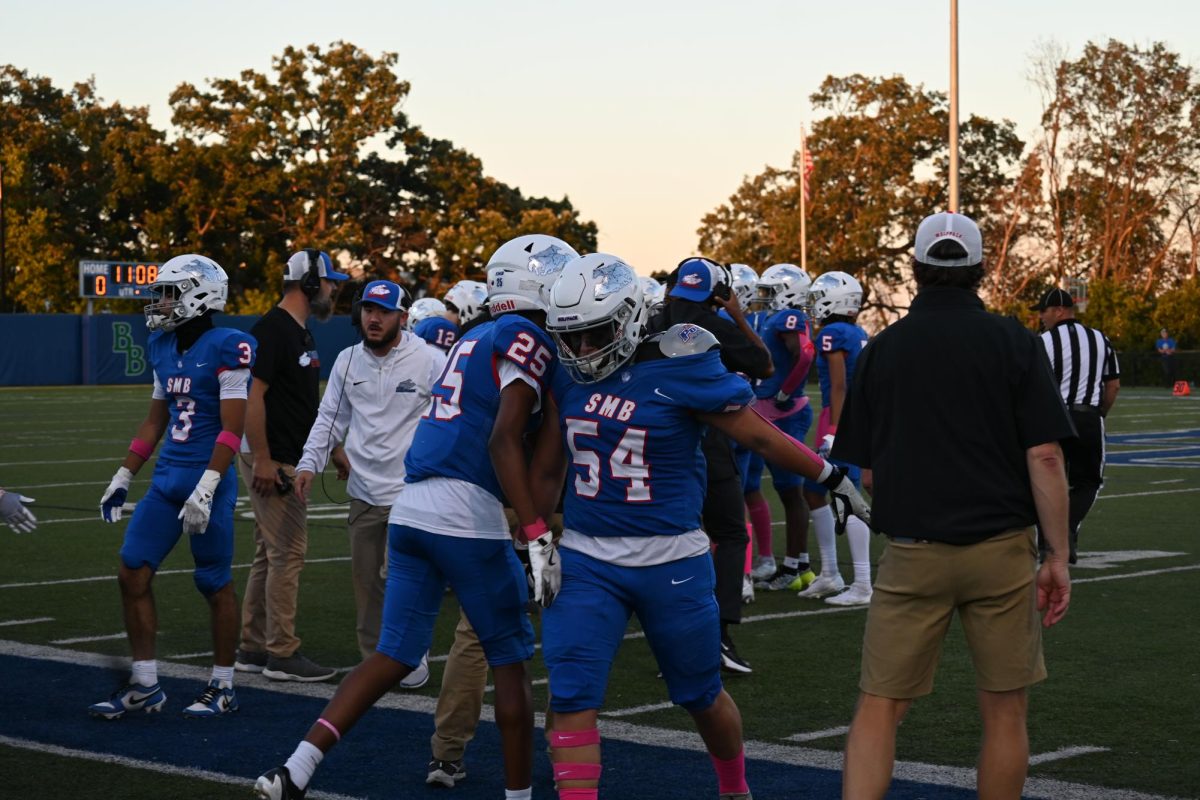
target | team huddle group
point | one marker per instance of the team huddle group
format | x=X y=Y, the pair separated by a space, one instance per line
x=562 y=389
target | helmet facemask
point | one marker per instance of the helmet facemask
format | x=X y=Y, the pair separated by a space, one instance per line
x=607 y=343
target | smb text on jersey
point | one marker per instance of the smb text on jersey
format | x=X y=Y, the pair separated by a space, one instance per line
x=634 y=443
x=451 y=439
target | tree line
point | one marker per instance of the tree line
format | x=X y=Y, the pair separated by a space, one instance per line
x=1106 y=190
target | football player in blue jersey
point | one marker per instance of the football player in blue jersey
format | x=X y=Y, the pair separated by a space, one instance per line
x=427 y=319
x=787 y=333
x=835 y=299
x=201 y=375
x=466 y=462
x=632 y=410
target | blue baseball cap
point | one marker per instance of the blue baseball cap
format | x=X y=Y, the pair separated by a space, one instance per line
x=297 y=267
x=384 y=294
x=696 y=279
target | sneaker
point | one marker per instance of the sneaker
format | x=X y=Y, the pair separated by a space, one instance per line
x=419 y=676
x=296 y=667
x=730 y=660
x=249 y=661
x=823 y=587
x=276 y=784
x=445 y=773
x=213 y=701
x=790 y=581
x=132 y=697
x=857 y=595
x=747 y=590
x=764 y=568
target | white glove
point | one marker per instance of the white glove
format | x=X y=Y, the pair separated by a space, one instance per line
x=547 y=568
x=845 y=499
x=198 y=508
x=113 y=501
x=17 y=516
x=826 y=445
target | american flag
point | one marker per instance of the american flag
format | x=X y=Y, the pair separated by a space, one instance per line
x=808 y=168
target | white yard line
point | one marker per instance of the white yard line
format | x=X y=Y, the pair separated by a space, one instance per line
x=1146 y=494
x=1064 y=752
x=108 y=637
x=1145 y=574
x=148 y=766
x=631 y=711
x=1172 y=480
x=112 y=577
x=811 y=736
x=30 y=621
x=960 y=777
x=186 y=656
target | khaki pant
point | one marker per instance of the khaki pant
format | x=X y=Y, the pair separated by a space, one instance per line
x=368 y=527
x=272 y=590
x=461 y=698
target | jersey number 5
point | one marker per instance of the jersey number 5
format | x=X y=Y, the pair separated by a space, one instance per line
x=627 y=462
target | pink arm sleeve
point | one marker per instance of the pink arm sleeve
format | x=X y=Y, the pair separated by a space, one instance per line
x=800 y=368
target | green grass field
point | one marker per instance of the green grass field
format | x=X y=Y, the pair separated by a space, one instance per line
x=1124 y=665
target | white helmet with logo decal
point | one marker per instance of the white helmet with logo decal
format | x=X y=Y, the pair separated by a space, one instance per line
x=424 y=308
x=596 y=316
x=186 y=287
x=835 y=293
x=783 y=286
x=468 y=299
x=745 y=284
x=521 y=270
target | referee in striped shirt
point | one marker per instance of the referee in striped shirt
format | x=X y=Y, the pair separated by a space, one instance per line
x=1085 y=368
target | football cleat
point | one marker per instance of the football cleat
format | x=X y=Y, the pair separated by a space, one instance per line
x=790 y=581
x=132 y=697
x=730 y=660
x=857 y=595
x=747 y=590
x=214 y=701
x=823 y=587
x=764 y=568
x=276 y=784
x=445 y=773
x=419 y=676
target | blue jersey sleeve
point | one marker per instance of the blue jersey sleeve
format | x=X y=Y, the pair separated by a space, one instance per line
x=525 y=345
x=787 y=322
x=702 y=383
x=236 y=351
x=438 y=331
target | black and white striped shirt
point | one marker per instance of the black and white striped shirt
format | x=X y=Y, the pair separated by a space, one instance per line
x=1082 y=359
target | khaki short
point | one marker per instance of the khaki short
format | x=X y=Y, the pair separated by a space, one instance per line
x=919 y=587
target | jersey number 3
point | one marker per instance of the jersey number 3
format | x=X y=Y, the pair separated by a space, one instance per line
x=627 y=462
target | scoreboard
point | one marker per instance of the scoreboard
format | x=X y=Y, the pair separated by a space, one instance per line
x=117 y=279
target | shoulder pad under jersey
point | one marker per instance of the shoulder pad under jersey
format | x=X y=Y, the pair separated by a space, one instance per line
x=685 y=339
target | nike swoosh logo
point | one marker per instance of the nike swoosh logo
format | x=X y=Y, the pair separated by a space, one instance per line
x=660 y=394
x=202 y=364
x=356 y=383
x=685 y=580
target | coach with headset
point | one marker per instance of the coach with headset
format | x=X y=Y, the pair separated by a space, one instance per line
x=280 y=410
x=376 y=394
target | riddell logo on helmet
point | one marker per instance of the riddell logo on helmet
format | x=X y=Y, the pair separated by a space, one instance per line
x=691 y=280
x=502 y=306
x=379 y=291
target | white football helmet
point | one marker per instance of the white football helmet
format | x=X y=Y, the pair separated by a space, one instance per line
x=835 y=293
x=424 y=308
x=654 y=294
x=745 y=284
x=186 y=287
x=521 y=270
x=783 y=286
x=596 y=316
x=469 y=298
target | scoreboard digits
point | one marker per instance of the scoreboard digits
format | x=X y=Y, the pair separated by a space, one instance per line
x=117 y=279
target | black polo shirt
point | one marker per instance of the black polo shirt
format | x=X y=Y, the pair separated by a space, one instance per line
x=287 y=360
x=943 y=406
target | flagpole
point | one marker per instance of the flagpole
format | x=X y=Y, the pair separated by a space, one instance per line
x=953 y=199
x=803 y=203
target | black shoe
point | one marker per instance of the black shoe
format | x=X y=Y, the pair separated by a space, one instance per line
x=276 y=784
x=445 y=773
x=730 y=660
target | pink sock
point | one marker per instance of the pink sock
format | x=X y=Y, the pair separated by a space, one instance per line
x=578 y=794
x=760 y=520
x=731 y=774
x=749 y=551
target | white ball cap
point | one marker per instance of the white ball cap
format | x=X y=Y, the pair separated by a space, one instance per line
x=948 y=226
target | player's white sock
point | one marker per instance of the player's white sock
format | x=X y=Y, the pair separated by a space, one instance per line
x=303 y=763
x=145 y=672
x=223 y=676
x=802 y=558
x=859 y=536
x=822 y=519
x=518 y=794
x=791 y=564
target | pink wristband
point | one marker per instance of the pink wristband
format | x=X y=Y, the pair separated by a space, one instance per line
x=140 y=448
x=329 y=726
x=230 y=440
x=534 y=529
